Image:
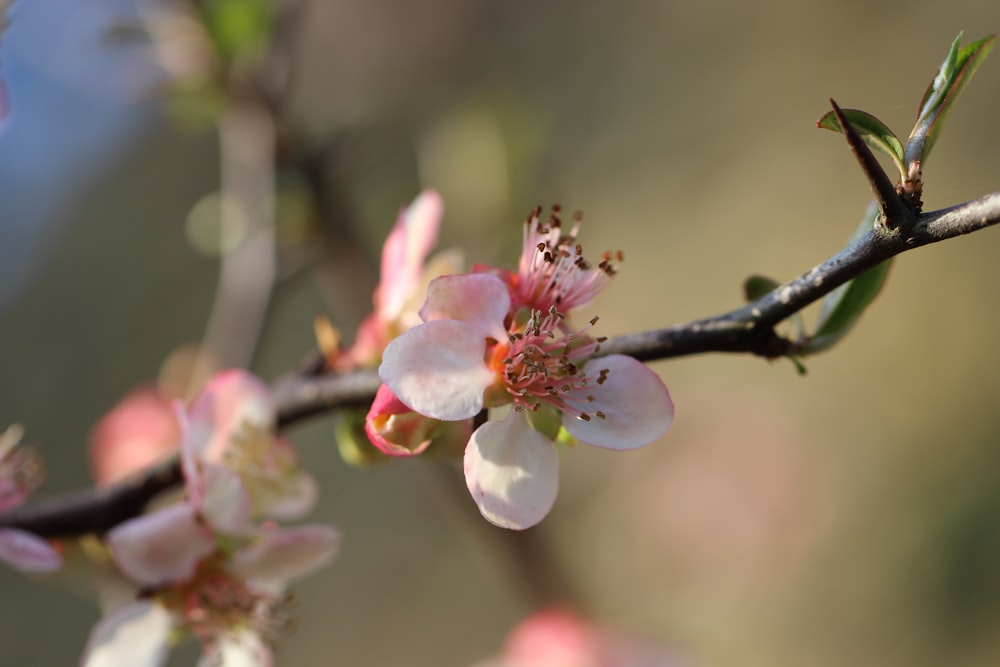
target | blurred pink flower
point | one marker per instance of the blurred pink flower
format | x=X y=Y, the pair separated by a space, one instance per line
x=234 y=601
x=202 y=566
x=558 y=637
x=20 y=475
x=139 y=431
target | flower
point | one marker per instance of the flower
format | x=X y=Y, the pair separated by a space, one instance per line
x=234 y=601
x=471 y=354
x=20 y=474
x=202 y=567
x=138 y=432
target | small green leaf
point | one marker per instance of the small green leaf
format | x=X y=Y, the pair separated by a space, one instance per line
x=755 y=287
x=843 y=306
x=873 y=132
x=940 y=96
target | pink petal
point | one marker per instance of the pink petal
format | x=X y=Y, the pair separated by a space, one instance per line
x=136 y=635
x=138 y=432
x=437 y=369
x=286 y=554
x=405 y=250
x=636 y=405
x=480 y=300
x=160 y=547
x=28 y=553
x=395 y=429
x=230 y=399
x=512 y=472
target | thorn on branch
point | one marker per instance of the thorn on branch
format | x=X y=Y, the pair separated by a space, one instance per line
x=892 y=209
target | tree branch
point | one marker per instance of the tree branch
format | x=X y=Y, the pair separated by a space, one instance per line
x=749 y=329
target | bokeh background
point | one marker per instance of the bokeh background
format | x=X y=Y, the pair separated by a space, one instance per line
x=851 y=516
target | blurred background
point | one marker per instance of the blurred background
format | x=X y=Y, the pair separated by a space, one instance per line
x=851 y=516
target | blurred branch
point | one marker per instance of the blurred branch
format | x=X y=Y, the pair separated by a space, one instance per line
x=749 y=329
x=247 y=273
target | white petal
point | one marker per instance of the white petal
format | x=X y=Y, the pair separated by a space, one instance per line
x=242 y=650
x=225 y=503
x=481 y=300
x=512 y=472
x=634 y=401
x=27 y=552
x=298 y=496
x=437 y=369
x=160 y=547
x=286 y=554
x=134 y=635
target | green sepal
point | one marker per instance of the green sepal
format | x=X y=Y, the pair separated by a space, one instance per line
x=940 y=96
x=873 y=132
x=352 y=442
x=547 y=421
x=843 y=306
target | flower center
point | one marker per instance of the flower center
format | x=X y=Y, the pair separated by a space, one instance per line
x=266 y=465
x=544 y=366
x=214 y=602
x=553 y=271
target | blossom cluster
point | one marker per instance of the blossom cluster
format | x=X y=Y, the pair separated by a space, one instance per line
x=501 y=340
x=214 y=564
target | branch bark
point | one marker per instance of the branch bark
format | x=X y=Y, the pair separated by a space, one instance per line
x=748 y=329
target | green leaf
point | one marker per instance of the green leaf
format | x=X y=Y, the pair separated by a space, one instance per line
x=873 y=132
x=940 y=96
x=755 y=287
x=843 y=306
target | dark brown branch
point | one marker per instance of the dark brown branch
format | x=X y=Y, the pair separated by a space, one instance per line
x=749 y=329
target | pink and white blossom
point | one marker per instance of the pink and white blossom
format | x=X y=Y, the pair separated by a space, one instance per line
x=464 y=358
x=234 y=603
x=204 y=566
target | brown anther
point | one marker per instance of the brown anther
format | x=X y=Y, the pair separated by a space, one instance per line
x=578 y=215
x=593 y=320
x=584 y=416
x=600 y=415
